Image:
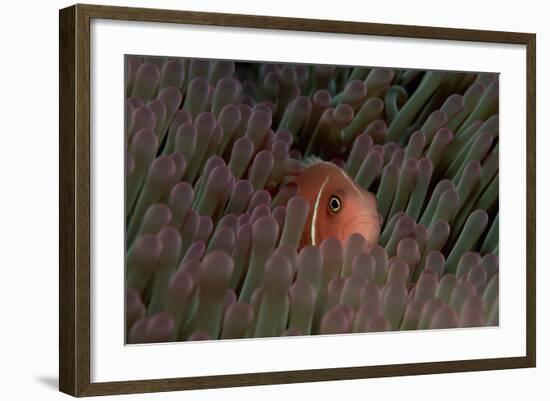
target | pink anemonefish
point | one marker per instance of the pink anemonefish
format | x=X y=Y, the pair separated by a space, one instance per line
x=338 y=207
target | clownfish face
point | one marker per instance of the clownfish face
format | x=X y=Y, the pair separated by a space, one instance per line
x=338 y=207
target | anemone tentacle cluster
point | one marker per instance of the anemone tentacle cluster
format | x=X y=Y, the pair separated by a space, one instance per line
x=213 y=221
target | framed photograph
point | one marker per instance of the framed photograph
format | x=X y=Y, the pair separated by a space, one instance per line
x=251 y=200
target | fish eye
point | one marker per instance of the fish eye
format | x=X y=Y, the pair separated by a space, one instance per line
x=334 y=204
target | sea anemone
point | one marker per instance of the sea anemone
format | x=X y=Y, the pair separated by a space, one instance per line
x=214 y=221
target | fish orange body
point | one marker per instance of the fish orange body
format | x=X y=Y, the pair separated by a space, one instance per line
x=338 y=207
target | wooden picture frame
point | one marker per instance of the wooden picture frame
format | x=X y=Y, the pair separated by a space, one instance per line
x=74 y=205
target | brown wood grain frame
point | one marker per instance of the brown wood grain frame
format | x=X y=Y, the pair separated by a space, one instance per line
x=74 y=199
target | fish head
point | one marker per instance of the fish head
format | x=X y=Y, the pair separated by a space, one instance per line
x=338 y=206
x=346 y=211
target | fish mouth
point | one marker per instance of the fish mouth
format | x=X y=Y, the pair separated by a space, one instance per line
x=367 y=226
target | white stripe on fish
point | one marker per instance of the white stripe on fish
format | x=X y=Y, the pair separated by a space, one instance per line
x=315 y=209
x=353 y=184
x=348 y=179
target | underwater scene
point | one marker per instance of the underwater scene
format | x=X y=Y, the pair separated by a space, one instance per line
x=273 y=199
